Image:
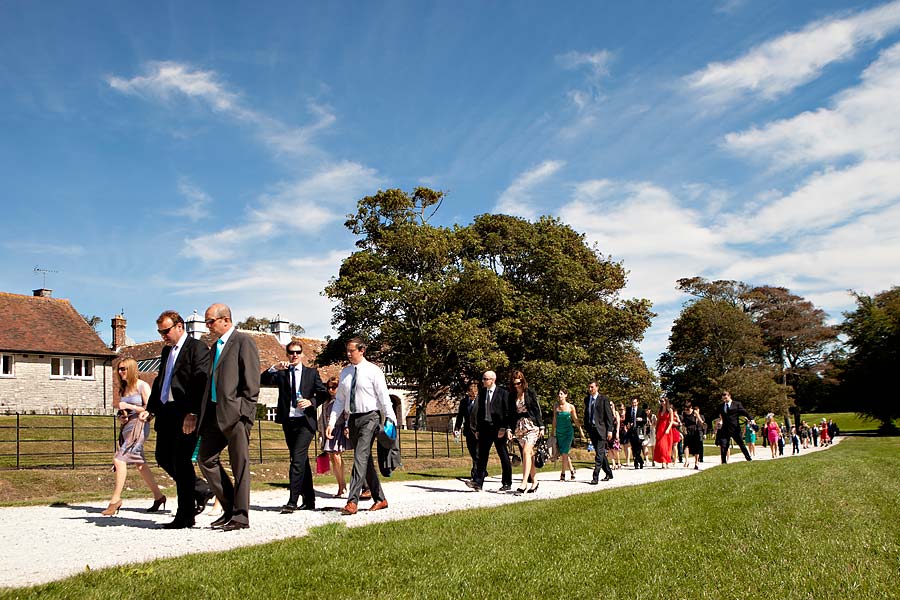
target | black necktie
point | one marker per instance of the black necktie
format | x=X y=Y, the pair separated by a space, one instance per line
x=293 y=387
x=353 y=392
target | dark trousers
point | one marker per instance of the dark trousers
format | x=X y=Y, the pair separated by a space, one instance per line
x=487 y=437
x=299 y=436
x=472 y=447
x=234 y=497
x=363 y=428
x=601 y=461
x=725 y=439
x=174 y=451
x=637 y=444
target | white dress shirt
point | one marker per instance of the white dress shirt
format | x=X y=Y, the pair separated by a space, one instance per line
x=371 y=392
x=173 y=356
x=296 y=411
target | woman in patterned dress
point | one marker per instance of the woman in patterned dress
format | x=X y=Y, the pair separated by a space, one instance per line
x=133 y=395
x=529 y=427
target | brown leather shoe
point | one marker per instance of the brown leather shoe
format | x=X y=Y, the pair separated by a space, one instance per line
x=349 y=509
x=380 y=505
x=365 y=495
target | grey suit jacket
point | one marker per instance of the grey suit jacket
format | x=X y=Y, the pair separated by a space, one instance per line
x=236 y=377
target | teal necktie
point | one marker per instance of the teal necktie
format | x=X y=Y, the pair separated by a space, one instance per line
x=219 y=345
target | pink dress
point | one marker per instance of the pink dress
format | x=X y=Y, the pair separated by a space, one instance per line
x=773 y=431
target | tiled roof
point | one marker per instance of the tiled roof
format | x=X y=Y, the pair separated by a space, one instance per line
x=40 y=325
x=270 y=351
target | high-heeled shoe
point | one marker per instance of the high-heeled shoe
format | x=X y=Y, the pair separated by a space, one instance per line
x=520 y=490
x=562 y=476
x=534 y=488
x=573 y=475
x=112 y=509
x=161 y=501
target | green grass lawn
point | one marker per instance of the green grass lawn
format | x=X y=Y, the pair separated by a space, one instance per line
x=783 y=529
x=847 y=421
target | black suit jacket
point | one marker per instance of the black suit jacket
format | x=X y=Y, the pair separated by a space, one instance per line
x=730 y=419
x=311 y=388
x=604 y=422
x=634 y=420
x=463 y=422
x=190 y=375
x=531 y=406
x=502 y=416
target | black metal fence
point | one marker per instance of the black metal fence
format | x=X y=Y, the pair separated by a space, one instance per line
x=70 y=441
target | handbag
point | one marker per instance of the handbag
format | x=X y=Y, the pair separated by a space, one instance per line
x=541 y=452
x=323 y=465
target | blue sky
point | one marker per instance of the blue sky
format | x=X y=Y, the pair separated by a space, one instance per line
x=175 y=155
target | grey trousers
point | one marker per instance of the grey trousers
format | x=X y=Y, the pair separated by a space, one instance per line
x=363 y=427
x=234 y=497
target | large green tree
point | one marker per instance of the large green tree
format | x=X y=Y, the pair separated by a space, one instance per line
x=441 y=304
x=873 y=339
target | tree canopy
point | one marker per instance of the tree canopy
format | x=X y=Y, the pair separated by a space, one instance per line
x=873 y=340
x=253 y=323
x=443 y=304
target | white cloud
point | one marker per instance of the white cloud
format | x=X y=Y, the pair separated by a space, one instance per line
x=658 y=239
x=165 y=80
x=198 y=201
x=30 y=247
x=263 y=288
x=777 y=66
x=301 y=206
x=516 y=199
x=827 y=199
x=597 y=62
x=863 y=123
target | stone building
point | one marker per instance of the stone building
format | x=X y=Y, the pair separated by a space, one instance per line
x=51 y=360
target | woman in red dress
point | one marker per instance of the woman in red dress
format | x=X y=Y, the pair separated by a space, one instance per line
x=662 y=453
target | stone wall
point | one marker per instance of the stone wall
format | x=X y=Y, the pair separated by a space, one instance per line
x=31 y=389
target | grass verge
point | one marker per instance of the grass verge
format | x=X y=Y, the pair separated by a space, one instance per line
x=829 y=520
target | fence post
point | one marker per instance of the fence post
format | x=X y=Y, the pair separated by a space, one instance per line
x=259 y=428
x=447 y=435
x=18 y=444
x=432 y=444
x=416 y=438
x=72 y=419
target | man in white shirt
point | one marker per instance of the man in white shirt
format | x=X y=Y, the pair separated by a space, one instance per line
x=363 y=393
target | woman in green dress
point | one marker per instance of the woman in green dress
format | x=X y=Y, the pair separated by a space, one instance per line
x=564 y=420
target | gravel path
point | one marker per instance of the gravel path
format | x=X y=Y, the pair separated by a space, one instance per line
x=44 y=543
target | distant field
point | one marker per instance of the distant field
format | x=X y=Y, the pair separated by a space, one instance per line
x=848 y=422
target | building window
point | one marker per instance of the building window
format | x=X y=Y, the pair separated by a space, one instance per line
x=78 y=368
x=7 y=365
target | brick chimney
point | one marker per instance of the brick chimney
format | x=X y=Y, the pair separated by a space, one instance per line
x=42 y=293
x=118 y=332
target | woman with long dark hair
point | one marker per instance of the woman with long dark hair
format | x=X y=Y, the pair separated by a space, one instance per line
x=529 y=426
x=133 y=395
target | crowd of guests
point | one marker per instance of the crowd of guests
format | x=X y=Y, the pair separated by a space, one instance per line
x=204 y=400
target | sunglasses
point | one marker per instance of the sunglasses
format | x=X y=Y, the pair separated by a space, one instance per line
x=122 y=369
x=332 y=387
x=165 y=331
x=290 y=352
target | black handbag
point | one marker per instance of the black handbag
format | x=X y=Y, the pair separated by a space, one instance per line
x=541 y=452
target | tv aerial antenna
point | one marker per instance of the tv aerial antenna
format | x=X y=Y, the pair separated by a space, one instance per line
x=43 y=272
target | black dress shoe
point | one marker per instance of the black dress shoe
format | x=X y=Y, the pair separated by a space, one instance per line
x=232 y=525
x=221 y=521
x=288 y=509
x=201 y=501
x=607 y=478
x=594 y=482
x=306 y=506
x=505 y=488
x=178 y=524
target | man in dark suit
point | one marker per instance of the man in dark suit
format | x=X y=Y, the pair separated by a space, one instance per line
x=634 y=423
x=465 y=423
x=601 y=426
x=300 y=391
x=729 y=411
x=227 y=417
x=177 y=395
x=493 y=422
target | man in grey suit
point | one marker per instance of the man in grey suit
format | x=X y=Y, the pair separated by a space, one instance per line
x=601 y=425
x=227 y=417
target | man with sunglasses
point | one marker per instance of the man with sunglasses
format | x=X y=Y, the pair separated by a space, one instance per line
x=178 y=393
x=300 y=392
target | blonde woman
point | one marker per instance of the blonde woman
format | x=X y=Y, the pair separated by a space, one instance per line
x=340 y=442
x=133 y=395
